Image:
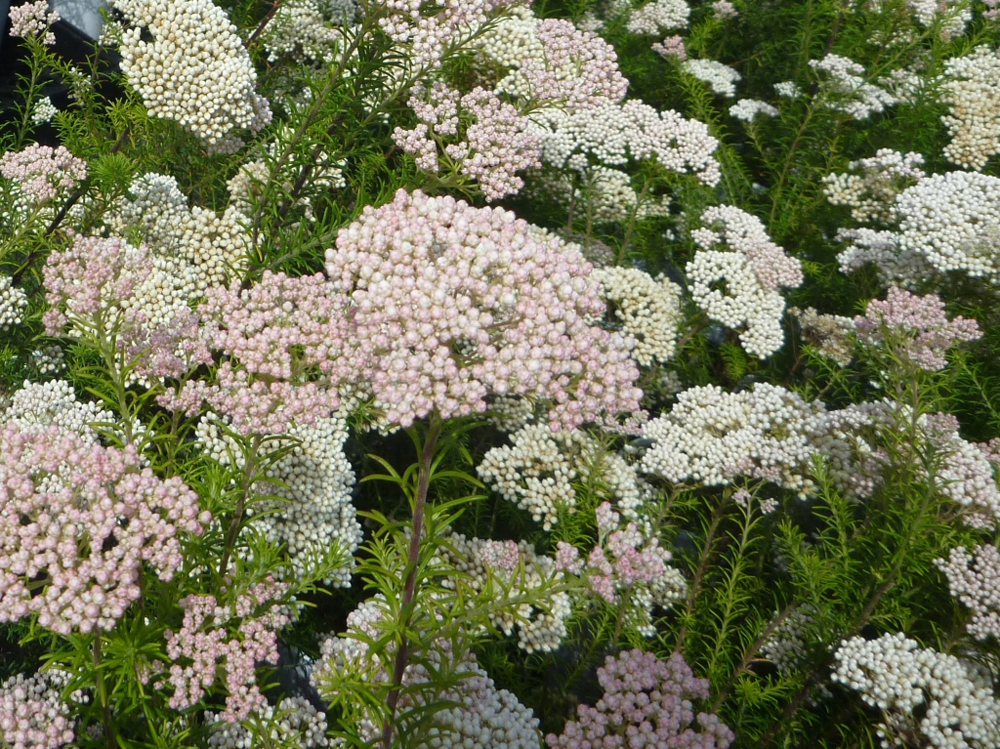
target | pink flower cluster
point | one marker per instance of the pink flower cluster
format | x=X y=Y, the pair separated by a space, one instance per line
x=33 y=714
x=288 y=345
x=622 y=558
x=42 y=173
x=33 y=19
x=672 y=46
x=497 y=141
x=597 y=78
x=433 y=28
x=646 y=703
x=453 y=304
x=77 y=522
x=917 y=325
x=205 y=642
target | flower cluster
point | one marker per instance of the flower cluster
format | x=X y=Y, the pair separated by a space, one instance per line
x=13 y=302
x=753 y=274
x=552 y=62
x=292 y=722
x=307 y=31
x=44 y=404
x=650 y=702
x=612 y=134
x=871 y=195
x=881 y=249
x=845 y=88
x=43 y=111
x=33 y=19
x=195 y=70
x=972 y=91
x=671 y=46
x=496 y=140
x=453 y=303
x=830 y=334
x=205 y=641
x=516 y=568
x=974 y=579
x=648 y=309
x=33 y=713
x=749 y=109
x=916 y=328
x=42 y=173
x=538 y=470
x=710 y=437
x=628 y=561
x=722 y=79
x=68 y=488
x=658 y=16
x=957 y=709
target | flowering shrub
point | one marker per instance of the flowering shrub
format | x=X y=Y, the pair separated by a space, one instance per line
x=424 y=374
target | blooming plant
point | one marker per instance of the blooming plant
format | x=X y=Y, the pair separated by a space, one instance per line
x=501 y=374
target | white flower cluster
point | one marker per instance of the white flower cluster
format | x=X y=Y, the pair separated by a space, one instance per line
x=722 y=79
x=48 y=360
x=538 y=470
x=846 y=90
x=43 y=111
x=972 y=90
x=896 y=675
x=787 y=89
x=193 y=248
x=648 y=309
x=954 y=15
x=304 y=32
x=314 y=515
x=54 y=403
x=753 y=275
x=517 y=568
x=195 y=70
x=872 y=194
x=13 y=302
x=787 y=647
x=612 y=134
x=974 y=579
x=749 y=109
x=907 y=269
x=953 y=220
x=710 y=437
x=658 y=16
x=294 y=722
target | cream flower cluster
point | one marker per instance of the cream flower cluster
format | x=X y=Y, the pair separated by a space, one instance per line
x=551 y=62
x=845 y=88
x=43 y=111
x=292 y=722
x=907 y=269
x=515 y=567
x=722 y=79
x=897 y=676
x=13 y=302
x=753 y=274
x=954 y=15
x=871 y=195
x=537 y=472
x=314 y=514
x=301 y=31
x=710 y=436
x=474 y=714
x=972 y=91
x=648 y=309
x=53 y=403
x=195 y=70
x=612 y=134
x=658 y=16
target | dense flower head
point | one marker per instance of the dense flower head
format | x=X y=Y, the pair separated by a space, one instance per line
x=658 y=16
x=294 y=721
x=974 y=579
x=208 y=639
x=195 y=70
x=42 y=173
x=871 y=195
x=918 y=325
x=972 y=91
x=453 y=303
x=552 y=62
x=920 y=691
x=844 y=86
x=646 y=702
x=497 y=141
x=613 y=134
x=33 y=19
x=13 y=302
x=648 y=309
x=57 y=488
x=33 y=713
x=722 y=79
